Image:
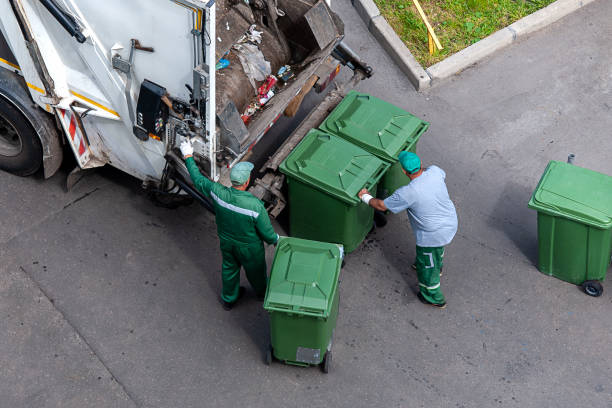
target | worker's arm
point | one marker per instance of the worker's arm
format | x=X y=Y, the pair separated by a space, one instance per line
x=264 y=227
x=375 y=203
x=201 y=183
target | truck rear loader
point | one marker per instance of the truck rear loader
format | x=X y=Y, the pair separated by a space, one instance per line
x=124 y=82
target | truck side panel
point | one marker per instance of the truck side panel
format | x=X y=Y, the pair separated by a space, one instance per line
x=7 y=59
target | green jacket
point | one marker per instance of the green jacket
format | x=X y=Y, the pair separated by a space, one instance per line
x=241 y=218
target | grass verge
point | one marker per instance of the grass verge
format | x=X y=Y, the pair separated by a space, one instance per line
x=457 y=23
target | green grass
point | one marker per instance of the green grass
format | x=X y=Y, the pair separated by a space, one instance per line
x=457 y=23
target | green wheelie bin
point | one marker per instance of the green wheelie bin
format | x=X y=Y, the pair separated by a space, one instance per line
x=302 y=300
x=380 y=128
x=324 y=174
x=574 y=208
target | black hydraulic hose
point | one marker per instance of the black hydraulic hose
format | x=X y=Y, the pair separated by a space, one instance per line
x=346 y=55
x=65 y=20
x=195 y=194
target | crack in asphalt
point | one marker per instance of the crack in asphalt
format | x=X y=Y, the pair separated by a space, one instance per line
x=80 y=336
x=76 y=200
x=51 y=215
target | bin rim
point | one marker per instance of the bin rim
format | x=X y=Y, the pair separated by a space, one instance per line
x=596 y=218
x=335 y=115
x=337 y=251
x=372 y=180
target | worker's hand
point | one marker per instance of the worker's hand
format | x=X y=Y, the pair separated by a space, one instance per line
x=362 y=192
x=186 y=148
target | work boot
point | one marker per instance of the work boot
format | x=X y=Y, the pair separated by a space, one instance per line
x=425 y=302
x=227 y=305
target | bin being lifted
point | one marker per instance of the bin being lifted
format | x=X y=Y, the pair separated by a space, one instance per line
x=380 y=128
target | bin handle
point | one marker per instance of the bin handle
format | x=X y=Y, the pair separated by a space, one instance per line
x=374 y=179
x=422 y=128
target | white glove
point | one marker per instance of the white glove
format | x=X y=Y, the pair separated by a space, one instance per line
x=186 y=148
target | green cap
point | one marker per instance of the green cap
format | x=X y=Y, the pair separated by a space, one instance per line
x=240 y=173
x=410 y=162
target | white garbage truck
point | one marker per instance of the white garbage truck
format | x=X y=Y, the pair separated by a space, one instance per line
x=123 y=82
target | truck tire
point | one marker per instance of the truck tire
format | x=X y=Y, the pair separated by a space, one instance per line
x=20 y=148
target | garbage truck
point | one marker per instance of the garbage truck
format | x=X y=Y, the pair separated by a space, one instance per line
x=122 y=83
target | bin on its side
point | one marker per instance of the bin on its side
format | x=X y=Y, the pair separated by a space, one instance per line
x=302 y=299
x=574 y=208
x=324 y=175
x=380 y=128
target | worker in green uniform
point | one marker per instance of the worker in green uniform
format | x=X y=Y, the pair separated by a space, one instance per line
x=432 y=217
x=242 y=225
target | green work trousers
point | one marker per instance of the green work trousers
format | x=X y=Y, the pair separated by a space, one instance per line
x=428 y=266
x=250 y=256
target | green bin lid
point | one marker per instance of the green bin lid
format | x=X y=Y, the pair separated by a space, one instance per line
x=304 y=277
x=375 y=125
x=575 y=193
x=333 y=165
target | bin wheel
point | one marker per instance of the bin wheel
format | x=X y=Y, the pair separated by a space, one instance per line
x=268 y=359
x=380 y=219
x=327 y=362
x=592 y=288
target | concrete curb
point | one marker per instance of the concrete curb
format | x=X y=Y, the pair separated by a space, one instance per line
x=398 y=51
x=423 y=78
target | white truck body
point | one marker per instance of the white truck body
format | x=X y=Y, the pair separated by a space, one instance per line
x=95 y=101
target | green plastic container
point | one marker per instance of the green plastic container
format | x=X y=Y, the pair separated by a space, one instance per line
x=324 y=175
x=302 y=299
x=574 y=223
x=380 y=128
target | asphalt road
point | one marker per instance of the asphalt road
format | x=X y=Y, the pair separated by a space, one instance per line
x=109 y=301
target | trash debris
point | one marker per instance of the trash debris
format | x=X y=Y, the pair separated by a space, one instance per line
x=227 y=27
x=267 y=86
x=253 y=62
x=264 y=93
x=223 y=63
x=285 y=73
x=250 y=111
x=264 y=99
x=252 y=35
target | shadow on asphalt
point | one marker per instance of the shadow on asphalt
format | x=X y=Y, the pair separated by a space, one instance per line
x=512 y=217
x=248 y=314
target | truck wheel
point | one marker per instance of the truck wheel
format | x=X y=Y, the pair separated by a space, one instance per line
x=169 y=200
x=20 y=148
x=592 y=288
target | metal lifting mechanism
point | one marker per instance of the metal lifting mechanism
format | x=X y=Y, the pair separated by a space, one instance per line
x=65 y=19
x=170 y=119
x=139 y=79
x=233 y=133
